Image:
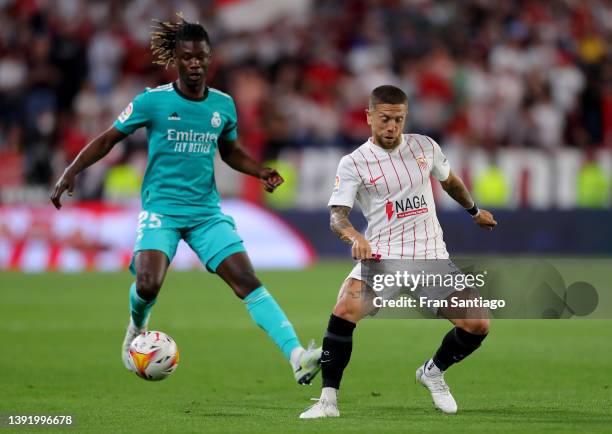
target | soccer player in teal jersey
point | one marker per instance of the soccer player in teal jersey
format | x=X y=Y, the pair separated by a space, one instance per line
x=186 y=122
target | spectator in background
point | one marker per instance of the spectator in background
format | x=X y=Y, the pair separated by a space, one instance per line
x=13 y=80
x=104 y=55
x=547 y=119
x=483 y=74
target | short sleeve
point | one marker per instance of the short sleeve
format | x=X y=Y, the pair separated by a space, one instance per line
x=134 y=116
x=440 y=167
x=230 y=130
x=346 y=184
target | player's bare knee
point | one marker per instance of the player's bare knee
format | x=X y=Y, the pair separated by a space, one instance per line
x=475 y=326
x=482 y=327
x=350 y=303
x=347 y=311
x=147 y=284
x=346 y=314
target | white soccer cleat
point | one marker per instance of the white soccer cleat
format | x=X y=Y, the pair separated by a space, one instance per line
x=322 y=408
x=309 y=365
x=440 y=393
x=130 y=334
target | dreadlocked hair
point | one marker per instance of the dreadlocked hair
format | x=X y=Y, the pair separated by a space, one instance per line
x=165 y=35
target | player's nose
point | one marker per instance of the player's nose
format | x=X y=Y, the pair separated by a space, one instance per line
x=195 y=64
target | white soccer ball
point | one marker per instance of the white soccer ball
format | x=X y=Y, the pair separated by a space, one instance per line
x=153 y=355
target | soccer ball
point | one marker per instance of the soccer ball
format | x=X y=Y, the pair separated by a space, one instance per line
x=153 y=355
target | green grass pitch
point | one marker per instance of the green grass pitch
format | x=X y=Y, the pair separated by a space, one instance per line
x=60 y=354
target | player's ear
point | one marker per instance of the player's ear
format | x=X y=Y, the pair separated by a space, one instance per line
x=368 y=116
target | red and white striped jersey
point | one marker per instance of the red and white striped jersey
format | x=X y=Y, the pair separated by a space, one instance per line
x=394 y=192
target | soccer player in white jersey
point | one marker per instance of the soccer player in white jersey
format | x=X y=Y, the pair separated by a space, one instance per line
x=389 y=176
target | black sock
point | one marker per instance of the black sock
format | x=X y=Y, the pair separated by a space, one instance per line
x=456 y=346
x=337 y=347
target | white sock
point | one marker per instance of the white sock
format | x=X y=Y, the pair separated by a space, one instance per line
x=329 y=394
x=431 y=370
x=294 y=358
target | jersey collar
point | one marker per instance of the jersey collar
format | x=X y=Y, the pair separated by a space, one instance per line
x=182 y=95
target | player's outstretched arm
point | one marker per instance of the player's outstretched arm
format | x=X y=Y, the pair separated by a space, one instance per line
x=237 y=158
x=95 y=150
x=341 y=226
x=456 y=189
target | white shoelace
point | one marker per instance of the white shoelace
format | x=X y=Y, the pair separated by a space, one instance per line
x=438 y=384
x=319 y=401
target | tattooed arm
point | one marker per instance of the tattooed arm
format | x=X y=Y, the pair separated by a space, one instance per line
x=456 y=189
x=342 y=227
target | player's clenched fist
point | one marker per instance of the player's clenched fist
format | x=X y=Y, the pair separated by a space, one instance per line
x=361 y=248
x=271 y=179
x=485 y=219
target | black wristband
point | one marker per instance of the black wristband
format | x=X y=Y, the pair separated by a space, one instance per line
x=473 y=210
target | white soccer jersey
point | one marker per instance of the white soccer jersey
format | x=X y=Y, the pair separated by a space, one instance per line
x=393 y=189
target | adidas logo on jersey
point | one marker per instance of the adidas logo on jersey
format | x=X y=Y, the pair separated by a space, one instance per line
x=174 y=117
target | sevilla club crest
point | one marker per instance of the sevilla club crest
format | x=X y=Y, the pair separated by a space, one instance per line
x=422 y=162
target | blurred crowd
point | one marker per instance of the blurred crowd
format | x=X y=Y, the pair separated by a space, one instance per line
x=479 y=73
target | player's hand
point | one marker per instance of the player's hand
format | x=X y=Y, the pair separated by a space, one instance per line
x=271 y=179
x=66 y=182
x=361 y=248
x=485 y=219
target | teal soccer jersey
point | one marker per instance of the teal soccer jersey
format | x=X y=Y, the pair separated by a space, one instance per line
x=183 y=136
x=179 y=195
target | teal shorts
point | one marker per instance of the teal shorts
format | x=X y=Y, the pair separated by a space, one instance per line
x=213 y=237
